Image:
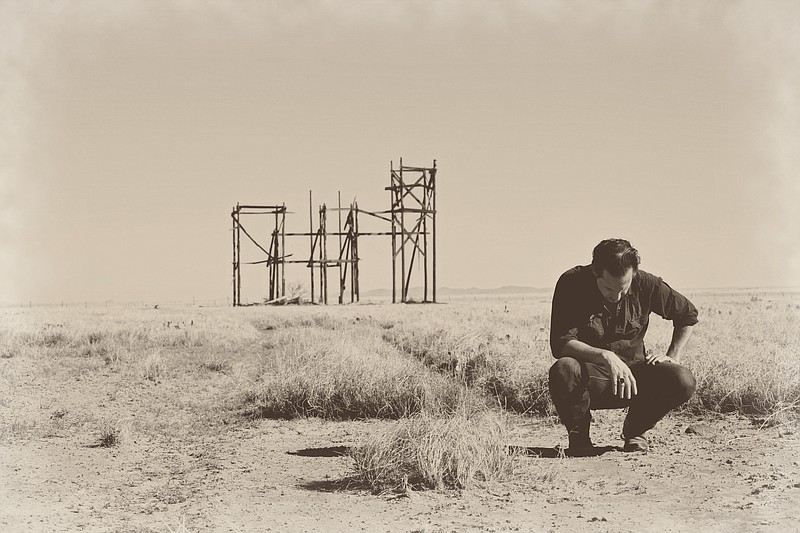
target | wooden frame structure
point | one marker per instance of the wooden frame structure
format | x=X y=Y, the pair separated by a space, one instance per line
x=412 y=216
x=276 y=263
x=413 y=201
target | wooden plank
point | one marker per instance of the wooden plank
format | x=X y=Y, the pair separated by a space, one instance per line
x=344 y=234
x=274 y=207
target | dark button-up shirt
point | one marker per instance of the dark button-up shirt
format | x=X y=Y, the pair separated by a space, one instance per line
x=579 y=313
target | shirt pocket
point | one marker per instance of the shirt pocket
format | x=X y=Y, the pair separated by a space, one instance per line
x=636 y=324
x=592 y=332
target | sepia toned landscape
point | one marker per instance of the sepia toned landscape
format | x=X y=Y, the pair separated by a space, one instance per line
x=269 y=160
x=380 y=417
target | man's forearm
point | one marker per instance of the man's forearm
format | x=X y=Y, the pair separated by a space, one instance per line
x=584 y=352
x=680 y=336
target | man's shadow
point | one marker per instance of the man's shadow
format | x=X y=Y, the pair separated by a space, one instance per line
x=530 y=451
x=354 y=484
x=559 y=452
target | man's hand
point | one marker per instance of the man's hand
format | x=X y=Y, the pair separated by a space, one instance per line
x=622 y=380
x=654 y=359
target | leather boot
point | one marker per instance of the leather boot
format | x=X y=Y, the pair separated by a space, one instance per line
x=580 y=444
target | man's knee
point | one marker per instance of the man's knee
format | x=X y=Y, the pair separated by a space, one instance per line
x=683 y=382
x=565 y=370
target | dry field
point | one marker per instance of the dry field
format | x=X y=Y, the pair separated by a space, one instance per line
x=380 y=418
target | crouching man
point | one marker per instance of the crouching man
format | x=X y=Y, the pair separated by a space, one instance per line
x=599 y=318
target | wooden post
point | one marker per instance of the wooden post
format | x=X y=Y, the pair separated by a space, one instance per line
x=234 y=262
x=392 y=194
x=403 y=288
x=324 y=250
x=238 y=258
x=283 y=249
x=433 y=226
x=319 y=261
x=341 y=256
x=425 y=209
x=355 y=270
x=311 y=243
x=273 y=265
x=351 y=252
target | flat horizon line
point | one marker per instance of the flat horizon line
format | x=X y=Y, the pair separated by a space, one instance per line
x=205 y=302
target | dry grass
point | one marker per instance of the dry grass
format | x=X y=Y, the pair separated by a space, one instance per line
x=745 y=358
x=434 y=451
x=322 y=373
x=390 y=361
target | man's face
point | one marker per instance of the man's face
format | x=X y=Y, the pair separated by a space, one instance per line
x=613 y=288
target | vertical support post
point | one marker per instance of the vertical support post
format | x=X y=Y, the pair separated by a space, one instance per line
x=311 y=243
x=425 y=209
x=340 y=254
x=235 y=261
x=283 y=249
x=238 y=257
x=273 y=265
x=392 y=193
x=355 y=258
x=351 y=250
x=403 y=288
x=433 y=224
x=324 y=250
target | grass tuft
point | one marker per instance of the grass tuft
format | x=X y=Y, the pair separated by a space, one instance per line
x=113 y=434
x=434 y=451
x=215 y=363
x=152 y=366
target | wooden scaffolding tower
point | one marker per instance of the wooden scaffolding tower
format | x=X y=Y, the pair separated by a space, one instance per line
x=413 y=201
x=412 y=217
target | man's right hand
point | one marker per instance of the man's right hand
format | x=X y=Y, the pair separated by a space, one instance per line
x=623 y=382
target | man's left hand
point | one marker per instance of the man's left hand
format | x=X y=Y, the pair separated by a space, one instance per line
x=654 y=359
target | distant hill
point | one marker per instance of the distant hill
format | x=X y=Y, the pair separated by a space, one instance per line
x=448 y=291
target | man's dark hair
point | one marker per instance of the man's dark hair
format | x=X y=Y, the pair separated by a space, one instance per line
x=615 y=256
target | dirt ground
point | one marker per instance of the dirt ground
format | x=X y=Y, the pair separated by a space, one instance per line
x=287 y=476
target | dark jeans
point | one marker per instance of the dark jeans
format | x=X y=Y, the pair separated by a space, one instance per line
x=577 y=387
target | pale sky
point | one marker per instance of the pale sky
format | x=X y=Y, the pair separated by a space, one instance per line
x=129 y=129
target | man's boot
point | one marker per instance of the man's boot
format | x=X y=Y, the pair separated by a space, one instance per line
x=580 y=445
x=636 y=444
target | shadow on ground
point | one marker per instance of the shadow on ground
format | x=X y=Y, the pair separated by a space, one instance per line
x=326 y=451
x=559 y=453
x=338 y=485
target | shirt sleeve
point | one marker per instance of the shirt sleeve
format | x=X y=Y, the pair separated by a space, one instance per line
x=672 y=305
x=563 y=319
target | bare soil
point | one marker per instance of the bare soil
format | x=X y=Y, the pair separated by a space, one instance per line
x=290 y=476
